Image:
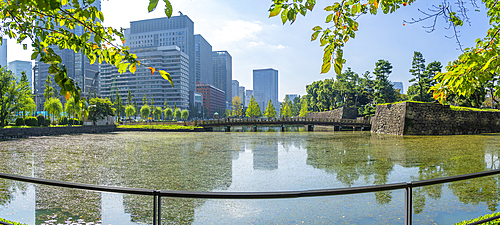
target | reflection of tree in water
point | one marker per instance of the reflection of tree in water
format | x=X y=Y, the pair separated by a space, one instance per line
x=351 y=157
x=443 y=156
x=73 y=159
x=176 y=162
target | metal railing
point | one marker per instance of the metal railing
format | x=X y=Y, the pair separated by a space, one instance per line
x=157 y=194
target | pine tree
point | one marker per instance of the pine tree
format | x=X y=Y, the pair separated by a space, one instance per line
x=270 y=110
x=384 y=89
x=303 y=107
x=417 y=70
x=49 y=90
x=253 y=109
x=129 y=97
x=144 y=100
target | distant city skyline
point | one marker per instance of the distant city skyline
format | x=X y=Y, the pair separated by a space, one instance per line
x=256 y=41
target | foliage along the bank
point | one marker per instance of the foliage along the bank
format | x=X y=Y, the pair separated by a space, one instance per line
x=467 y=77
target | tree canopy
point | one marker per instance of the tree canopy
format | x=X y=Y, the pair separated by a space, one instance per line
x=476 y=67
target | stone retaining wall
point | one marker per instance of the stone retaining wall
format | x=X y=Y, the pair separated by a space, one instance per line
x=340 y=113
x=411 y=118
x=49 y=131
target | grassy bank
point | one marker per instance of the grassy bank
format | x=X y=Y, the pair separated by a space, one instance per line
x=13 y=223
x=452 y=107
x=39 y=126
x=494 y=222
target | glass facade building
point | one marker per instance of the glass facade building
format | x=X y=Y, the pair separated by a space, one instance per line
x=265 y=87
x=223 y=73
x=203 y=70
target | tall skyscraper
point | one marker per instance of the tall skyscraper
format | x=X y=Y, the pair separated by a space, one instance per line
x=142 y=83
x=223 y=73
x=248 y=96
x=235 y=88
x=265 y=87
x=176 y=30
x=19 y=66
x=77 y=65
x=3 y=53
x=204 y=70
x=241 y=93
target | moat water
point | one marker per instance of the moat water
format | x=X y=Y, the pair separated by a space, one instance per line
x=247 y=161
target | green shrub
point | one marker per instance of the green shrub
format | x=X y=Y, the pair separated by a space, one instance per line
x=19 y=121
x=494 y=222
x=47 y=122
x=41 y=120
x=11 y=222
x=31 y=121
x=63 y=120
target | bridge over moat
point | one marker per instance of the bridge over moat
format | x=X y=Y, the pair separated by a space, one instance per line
x=338 y=124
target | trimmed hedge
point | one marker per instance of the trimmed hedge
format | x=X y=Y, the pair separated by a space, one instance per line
x=494 y=222
x=19 y=121
x=41 y=120
x=31 y=121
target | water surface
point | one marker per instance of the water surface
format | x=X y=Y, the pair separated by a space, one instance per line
x=262 y=161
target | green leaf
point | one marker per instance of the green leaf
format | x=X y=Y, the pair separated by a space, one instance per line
x=329 y=8
x=329 y=18
x=168 y=8
x=326 y=67
x=34 y=55
x=25 y=46
x=275 y=11
x=284 y=15
x=152 y=5
x=315 y=35
x=316 y=28
x=338 y=68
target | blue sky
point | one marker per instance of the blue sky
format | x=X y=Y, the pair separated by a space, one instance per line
x=255 y=41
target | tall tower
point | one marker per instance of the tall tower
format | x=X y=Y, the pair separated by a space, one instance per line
x=174 y=31
x=265 y=87
x=223 y=73
x=3 y=53
x=204 y=71
x=19 y=66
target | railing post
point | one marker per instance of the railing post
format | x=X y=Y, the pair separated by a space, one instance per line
x=154 y=207
x=408 y=204
x=159 y=210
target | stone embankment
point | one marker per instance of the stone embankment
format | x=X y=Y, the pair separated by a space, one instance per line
x=410 y=118
x=49 y=131
x=340 y=113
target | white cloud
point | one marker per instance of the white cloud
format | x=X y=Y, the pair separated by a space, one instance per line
x=261 y=44
x=236 y=31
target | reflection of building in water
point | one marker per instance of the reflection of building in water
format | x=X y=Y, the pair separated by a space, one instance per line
x=265 y=155
x=188 y=164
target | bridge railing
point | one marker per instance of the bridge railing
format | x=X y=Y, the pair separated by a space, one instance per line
x=274 y=120
x=158 y=194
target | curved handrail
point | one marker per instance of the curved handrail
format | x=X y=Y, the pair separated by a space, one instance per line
x=252 y=195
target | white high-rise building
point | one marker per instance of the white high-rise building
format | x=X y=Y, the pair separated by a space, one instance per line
x=160 y=32
x=19 y=66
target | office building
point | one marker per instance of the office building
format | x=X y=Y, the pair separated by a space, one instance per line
x=241 y=93
x=223 y=73
x=235 y=88
x=398 y=86
x=161 y=32
x=142 y=83
x=214 y=99
x=248 y=96
x=3 y=53
x=19 y=66
x=204 y=70
x=265 y=87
